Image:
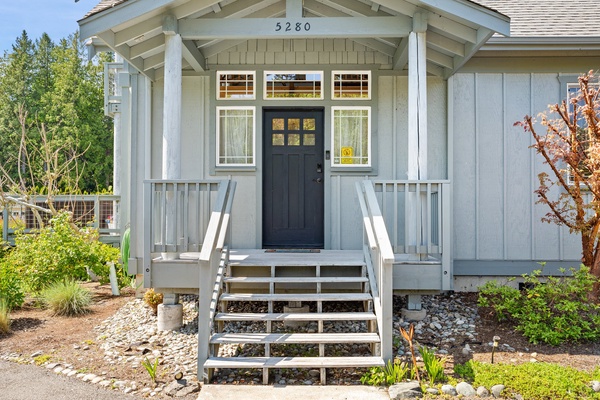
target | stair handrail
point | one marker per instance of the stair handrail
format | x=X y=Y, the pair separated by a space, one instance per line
x=379 y=257
x=212 y=260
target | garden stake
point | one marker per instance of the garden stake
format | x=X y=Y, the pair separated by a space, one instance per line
x=408 y=336
x=496 y=340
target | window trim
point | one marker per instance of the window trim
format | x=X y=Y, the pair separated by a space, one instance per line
x=226 y=72
x=265 y=83
x=349 y=72
x=218 y=163
x=369 y=136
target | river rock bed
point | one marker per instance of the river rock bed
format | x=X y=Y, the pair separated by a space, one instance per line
x=130 y=336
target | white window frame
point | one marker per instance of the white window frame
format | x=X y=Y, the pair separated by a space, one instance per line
x=351 y=72
x=333 y=137
x=218 y=135
x=266 y=82
x=249 y=97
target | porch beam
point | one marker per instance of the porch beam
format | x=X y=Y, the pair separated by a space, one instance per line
x=293 y=9
x=470 y=49
x=443 y=43
x=194 y=56
x=267 y=28
x=400 y=58
x=352 y=7
x=377 y=45
x=220 y=46
x=440 y=59
x=148 y=47
x=124 y=50
x=154 y=61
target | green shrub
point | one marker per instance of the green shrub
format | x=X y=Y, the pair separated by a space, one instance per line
x=553 y=311
x=536 y=381
x=67 y=298
x=434 y=366
x=465 y=371
x=11 y=290
x=58 y=252
x=4 y=317
x=388 y=375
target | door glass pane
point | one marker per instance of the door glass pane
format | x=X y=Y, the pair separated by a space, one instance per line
x=294 y=124
x=278 y=124
x=309 y=139
x=293 y=139
x=308 y=124
x=278 y=139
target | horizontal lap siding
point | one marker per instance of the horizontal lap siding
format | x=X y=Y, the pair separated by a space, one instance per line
x=495 y=172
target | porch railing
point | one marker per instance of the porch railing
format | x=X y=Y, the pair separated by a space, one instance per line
x=380 y=260
x=414 y=213
x=97 y=211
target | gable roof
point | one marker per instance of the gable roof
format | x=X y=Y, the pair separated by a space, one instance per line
x=549 y=18
x=210 y=28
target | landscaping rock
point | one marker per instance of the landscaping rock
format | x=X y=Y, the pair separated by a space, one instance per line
x=465 y=389
x=405 y=390
x=449 y=389
x=497 y=390
x=483 y=392
x=596 y=386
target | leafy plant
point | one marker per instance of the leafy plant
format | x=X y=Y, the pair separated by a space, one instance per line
x=67 y=298
x=434 y=366
x=536 y=381
x=59 y=252
x=408 y=336
x=553 y=310
x=465 y=371
x=4 y=317
x=153 y=299
x=390 y=374
x=151 y=368
x=41 y=359
x=11 y=290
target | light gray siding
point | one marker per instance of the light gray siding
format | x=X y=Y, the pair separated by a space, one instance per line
x=495 y=173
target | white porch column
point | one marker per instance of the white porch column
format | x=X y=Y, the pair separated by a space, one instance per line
x=417 y=100
x=417 y=144
x=171 y=156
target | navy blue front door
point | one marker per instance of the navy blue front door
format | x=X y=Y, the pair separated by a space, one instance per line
x=293 y=178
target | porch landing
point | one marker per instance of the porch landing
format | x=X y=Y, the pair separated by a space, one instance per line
x=295 y=257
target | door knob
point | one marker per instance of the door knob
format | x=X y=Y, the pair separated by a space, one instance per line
x=318 y=180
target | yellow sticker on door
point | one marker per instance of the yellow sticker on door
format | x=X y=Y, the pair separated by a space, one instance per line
x=347 y=155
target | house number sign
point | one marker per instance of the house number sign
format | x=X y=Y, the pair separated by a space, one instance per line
x=292 y=27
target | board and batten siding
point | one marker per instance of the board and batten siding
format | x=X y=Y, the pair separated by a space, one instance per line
x=497 y=223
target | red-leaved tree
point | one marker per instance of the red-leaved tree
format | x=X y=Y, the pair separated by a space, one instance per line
x=570 y=146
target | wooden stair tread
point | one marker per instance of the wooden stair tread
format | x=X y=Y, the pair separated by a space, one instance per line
x=306 y=338
x=332 y=316
x=296 y=297
x=295 y=279
x=293 y=362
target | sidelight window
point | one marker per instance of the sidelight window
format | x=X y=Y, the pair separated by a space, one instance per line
x=235 y=136
x=351 y=136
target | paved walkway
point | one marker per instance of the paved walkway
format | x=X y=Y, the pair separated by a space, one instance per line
x=230 y=392
x=30 y=382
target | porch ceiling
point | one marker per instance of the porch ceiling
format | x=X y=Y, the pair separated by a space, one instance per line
x=456 y=29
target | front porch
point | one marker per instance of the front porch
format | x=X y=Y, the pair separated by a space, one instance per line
x=406 y=234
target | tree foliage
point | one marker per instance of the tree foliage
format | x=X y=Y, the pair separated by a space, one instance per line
x=50 y=92
x=570 y=146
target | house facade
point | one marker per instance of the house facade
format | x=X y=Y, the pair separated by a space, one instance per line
x=299 y=101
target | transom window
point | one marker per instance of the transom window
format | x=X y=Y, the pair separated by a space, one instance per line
x=351 y=85
x=351 y=136
x=236 y=85
x=235 y=136
x=285 y=85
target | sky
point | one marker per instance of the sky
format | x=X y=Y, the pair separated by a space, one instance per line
x=58 y=18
